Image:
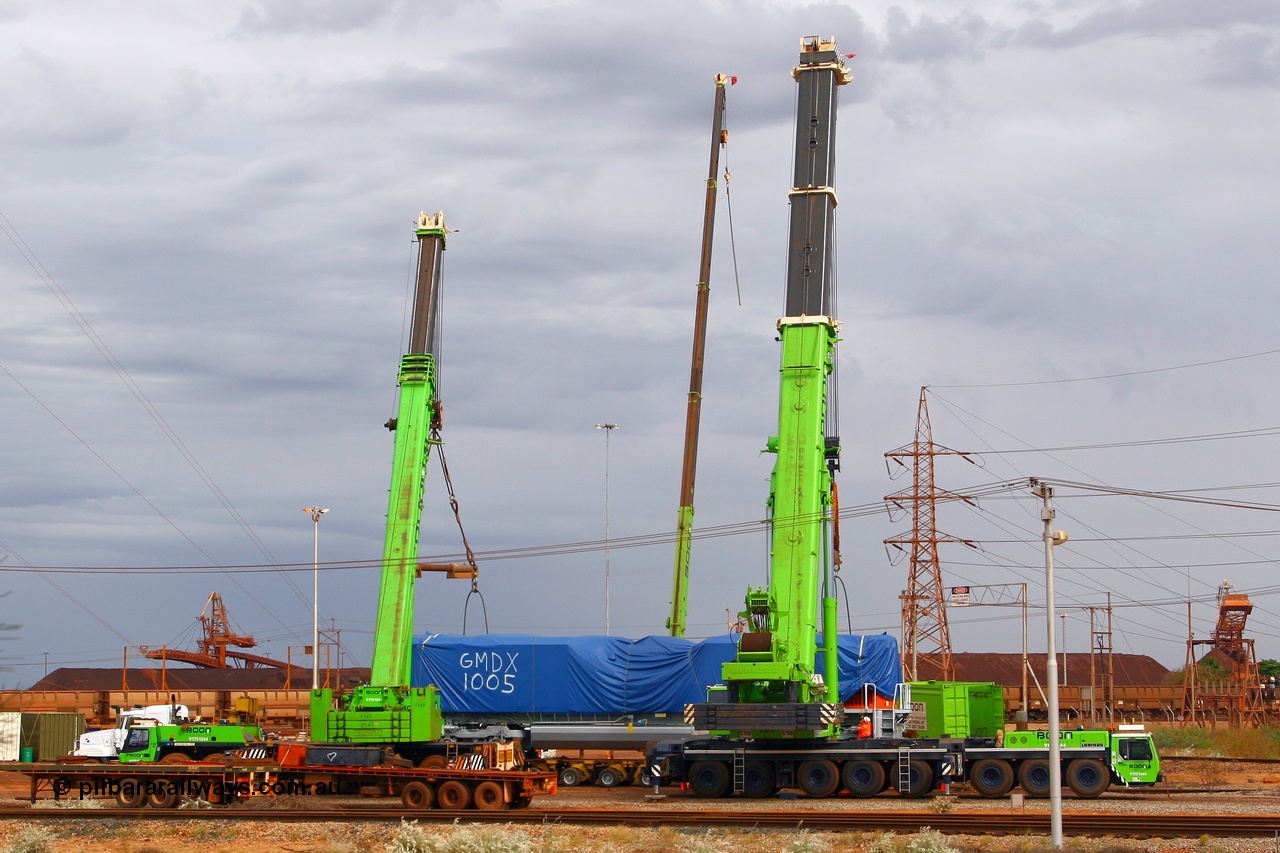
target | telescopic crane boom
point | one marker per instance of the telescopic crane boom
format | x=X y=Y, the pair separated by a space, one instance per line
x=773 y=686
x=388 y=709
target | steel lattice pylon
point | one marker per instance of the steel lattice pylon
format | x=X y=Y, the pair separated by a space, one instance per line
x=926 y=638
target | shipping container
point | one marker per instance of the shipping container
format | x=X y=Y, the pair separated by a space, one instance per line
x=10 y=735
x=957 y=708
x=51 y=736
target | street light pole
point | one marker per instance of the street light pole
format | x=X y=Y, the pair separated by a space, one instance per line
x=608 y=428
x=1051 y=539
x=315 y=512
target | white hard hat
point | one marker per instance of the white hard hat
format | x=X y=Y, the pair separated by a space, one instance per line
x=866 y=719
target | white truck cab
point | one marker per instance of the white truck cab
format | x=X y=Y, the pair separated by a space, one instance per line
x=104 y=744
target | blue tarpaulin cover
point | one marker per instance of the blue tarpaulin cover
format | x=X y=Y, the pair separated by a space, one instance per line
x=528 y=674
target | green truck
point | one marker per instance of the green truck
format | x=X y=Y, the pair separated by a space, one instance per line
x=177 y=744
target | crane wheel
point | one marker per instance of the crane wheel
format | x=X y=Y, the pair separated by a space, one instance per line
x=758 y=780
x=1088 y=778
x=175 y=758
x=453 y=795
x=863 y=778
x=991 y=778
x=818 y=778
x=708 y=779
x=1033 y=776
x=919 y=779
x=433 y=762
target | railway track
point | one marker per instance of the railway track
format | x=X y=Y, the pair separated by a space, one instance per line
x=983 y=823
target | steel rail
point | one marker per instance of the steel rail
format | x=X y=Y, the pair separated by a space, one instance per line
x=1127 y=825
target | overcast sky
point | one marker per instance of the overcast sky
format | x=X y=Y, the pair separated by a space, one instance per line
x=221 y=198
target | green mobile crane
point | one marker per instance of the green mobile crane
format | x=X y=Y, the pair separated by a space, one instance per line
x=777 y=721
x=388 y=710
x=772 y=686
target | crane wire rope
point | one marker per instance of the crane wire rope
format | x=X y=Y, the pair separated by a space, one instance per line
x=457 y=516
x=728 y=200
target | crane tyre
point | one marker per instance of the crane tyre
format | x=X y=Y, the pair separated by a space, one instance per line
x=489 y=797
x=991 y=778
x=453 y=795
x=818 y=778
x=1088 y=778
x=863 y=778
x=176 y=758
x=131 y=794
x=571 y=777
x=709 y=779
x=434 y=762
x=919 y=779
x=417 y=795
x=758 y=780
x=609 y=777
x=1033 y=776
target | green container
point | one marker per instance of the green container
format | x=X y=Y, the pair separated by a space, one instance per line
x=959 y=709
x=26 y=754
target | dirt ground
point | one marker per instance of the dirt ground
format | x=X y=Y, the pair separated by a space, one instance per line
x=223 y=836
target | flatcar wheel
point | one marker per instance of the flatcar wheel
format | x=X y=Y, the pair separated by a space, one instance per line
x=489 y=798
x=164 y=794
x=130 y=795
x=453 y=795
x=417 y=796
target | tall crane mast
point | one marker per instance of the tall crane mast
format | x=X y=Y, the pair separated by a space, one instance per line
x=773 y=687
x=388 y=709
x=693 y=416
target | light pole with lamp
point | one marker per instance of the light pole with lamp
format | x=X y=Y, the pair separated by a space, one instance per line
x=315 y=512
x=1052 y=538
x=608 y=428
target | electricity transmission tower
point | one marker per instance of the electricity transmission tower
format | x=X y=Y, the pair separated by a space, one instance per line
x=926 y=639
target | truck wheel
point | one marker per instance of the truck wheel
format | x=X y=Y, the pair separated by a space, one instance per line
x=571 y=777
x=758 y=780
x=176 y=758
x=709 y=779
x=164 y=795
x=417 y=796
x=991 y=778
x=609 y=777
x=1033 y=776
x=1088 y=778
x=919 y=779
x=863 y=778
x=818 y=778
x=131 y=794
x=646 y=778
x=489 y=798
x=453 y=795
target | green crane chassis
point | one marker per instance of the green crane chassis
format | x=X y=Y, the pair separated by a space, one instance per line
x=718 y=767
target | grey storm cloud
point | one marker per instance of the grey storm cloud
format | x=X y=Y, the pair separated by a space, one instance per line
x=1032 y=196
